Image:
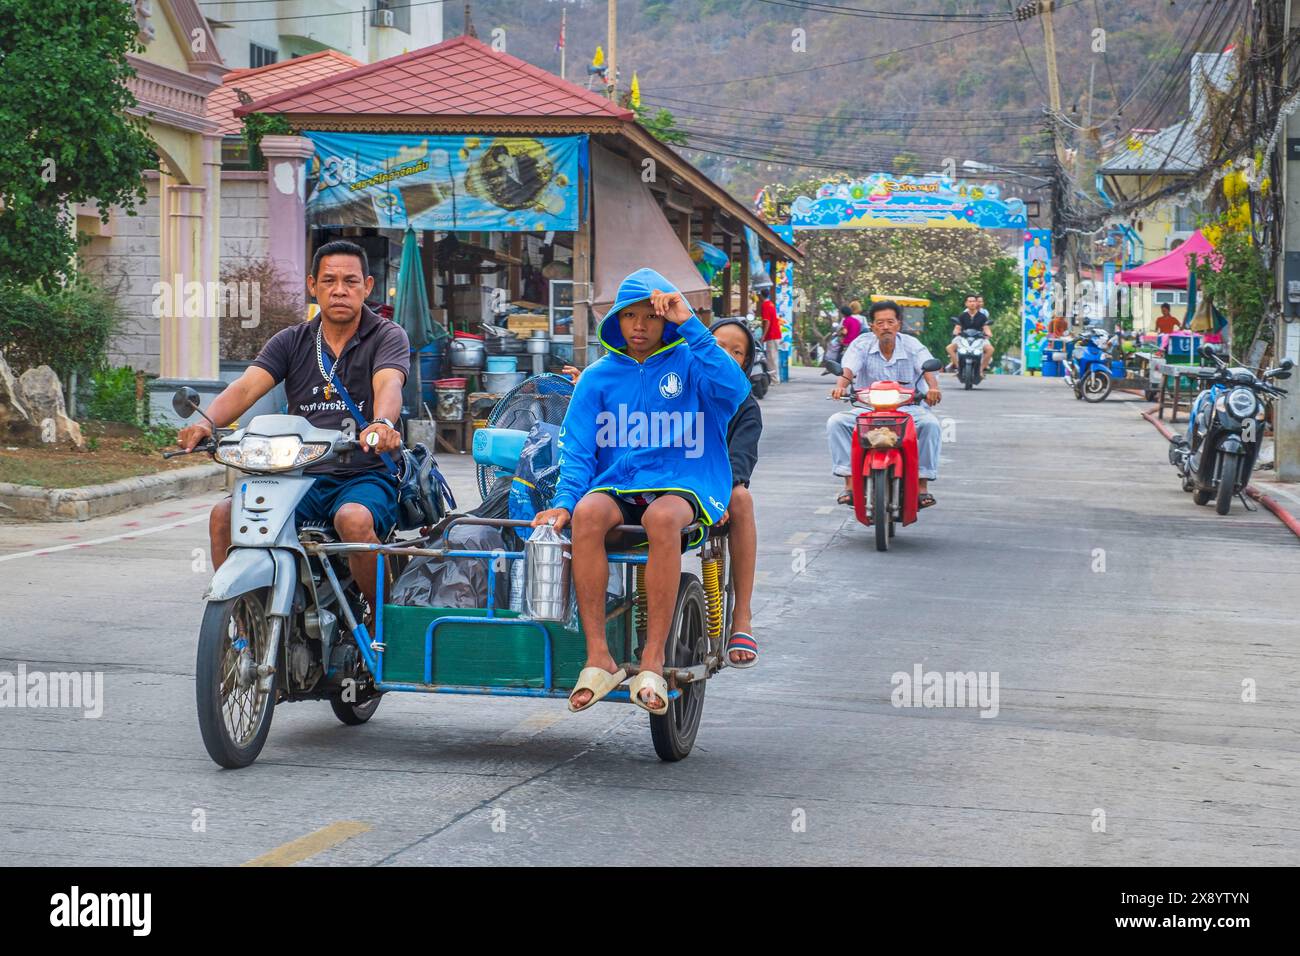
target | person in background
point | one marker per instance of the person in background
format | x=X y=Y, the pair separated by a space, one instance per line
x=771 y=332
x=850 y=324
x=1166 y=322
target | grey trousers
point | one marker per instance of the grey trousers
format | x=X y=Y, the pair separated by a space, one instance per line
x=929 y=437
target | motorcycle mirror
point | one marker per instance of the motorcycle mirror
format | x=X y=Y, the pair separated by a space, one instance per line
x=1288 y=364
x=835 y=368
x=1210 y=350
x=931 y=365
x=185 y=401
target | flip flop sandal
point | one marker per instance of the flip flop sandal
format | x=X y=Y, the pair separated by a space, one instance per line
x=740 y=641
x=657 y=684
x=597 y=680
x=925 y=500
x=845 y=498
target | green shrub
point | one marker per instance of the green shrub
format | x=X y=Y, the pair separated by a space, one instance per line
x=66 y=327
x=112 y=396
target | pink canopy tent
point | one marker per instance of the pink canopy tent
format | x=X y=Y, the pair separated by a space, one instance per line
x=1170 y=270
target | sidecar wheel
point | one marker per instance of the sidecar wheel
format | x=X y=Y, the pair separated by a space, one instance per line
x=234 y=713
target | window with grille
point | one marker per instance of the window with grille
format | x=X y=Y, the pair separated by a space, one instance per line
x=261 y=55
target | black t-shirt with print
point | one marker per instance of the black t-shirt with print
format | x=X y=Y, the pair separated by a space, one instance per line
x=290 y=357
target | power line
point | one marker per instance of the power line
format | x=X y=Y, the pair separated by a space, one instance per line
x=815 y=6
x=309 y=16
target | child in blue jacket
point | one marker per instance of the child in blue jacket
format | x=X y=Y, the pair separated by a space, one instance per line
x=644 y=442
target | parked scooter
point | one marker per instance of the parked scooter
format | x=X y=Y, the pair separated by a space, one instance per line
x=885 y=479
x=1217 y=455
x=760 y=373
x=970 y=356
x=271 y=632
x=1094 y=362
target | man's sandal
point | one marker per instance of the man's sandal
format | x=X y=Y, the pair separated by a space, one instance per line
x=657 y=684
x=598 y=681
x=925 y=500
x=845 y=498
x=740 y=641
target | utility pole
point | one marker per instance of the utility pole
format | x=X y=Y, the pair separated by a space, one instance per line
x=1053 y=78
x=611 y=54
x=1286 y=422
x=469 y=22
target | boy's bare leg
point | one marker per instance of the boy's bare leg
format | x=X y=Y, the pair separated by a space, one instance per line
x=744 y=555
x=663 y=521
x=593 y=518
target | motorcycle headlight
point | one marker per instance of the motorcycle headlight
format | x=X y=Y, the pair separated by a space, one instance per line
x=884 y=397
x=1241 y=402
x=260 y=453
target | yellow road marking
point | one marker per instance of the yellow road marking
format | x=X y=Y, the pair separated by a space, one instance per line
x=304 y=848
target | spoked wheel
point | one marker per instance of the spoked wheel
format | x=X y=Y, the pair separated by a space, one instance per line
x=688 y=644
x=882 y=516
x=1227 y=483
x=1096 y=387
x=354 y=714
x=234 y=714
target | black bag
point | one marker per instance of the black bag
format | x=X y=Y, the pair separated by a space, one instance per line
x=423 y=495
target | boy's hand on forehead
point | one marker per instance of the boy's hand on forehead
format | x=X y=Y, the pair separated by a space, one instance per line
x=671 y=306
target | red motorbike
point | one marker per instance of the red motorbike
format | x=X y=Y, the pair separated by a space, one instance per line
x=885 y=478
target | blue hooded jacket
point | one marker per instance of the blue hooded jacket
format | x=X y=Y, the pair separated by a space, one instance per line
x=656 y=425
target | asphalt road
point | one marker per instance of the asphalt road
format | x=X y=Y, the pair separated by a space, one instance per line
x=1119 y=619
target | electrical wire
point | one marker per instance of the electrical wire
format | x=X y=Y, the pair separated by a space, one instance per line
x=815 y=6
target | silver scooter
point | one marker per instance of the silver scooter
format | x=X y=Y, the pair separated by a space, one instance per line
x=271 y=629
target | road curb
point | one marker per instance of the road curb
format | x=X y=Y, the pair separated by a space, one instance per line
x=1287 y=518
x=96 y=501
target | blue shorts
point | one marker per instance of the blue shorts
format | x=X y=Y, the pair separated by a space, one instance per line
x=373 y=489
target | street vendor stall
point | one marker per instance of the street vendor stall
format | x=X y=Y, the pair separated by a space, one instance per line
x=529 y=199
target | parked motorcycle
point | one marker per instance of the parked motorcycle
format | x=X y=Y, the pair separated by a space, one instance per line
x=1217 y=455
x=970 y=356
x=271 y=631
x=885 y=468
x=760 y=372
x=1093 y=363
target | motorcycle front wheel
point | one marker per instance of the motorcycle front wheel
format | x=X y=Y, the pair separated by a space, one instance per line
x=1096 y=387
x=881 y=516
x=234 y=714
x=1227 y=483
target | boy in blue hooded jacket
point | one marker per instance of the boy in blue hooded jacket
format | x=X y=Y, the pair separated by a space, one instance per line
x=644 y=442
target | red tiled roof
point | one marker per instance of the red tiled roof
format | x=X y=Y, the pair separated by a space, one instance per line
x=268 y=80
x=458 y=77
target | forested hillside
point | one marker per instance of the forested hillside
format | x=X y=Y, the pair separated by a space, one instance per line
x=864 y=85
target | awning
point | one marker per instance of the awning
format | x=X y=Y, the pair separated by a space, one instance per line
x=1170 y=270
x=631 y=232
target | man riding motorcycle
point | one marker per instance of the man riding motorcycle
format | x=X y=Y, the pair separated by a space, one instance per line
x=369 y=356
x=885 y=355
x=973 y=318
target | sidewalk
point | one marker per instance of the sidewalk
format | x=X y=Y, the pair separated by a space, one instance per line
x=1274 y=495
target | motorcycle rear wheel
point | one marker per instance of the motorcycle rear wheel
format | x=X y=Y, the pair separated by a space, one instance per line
x=351 y=714
x=234 y=713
